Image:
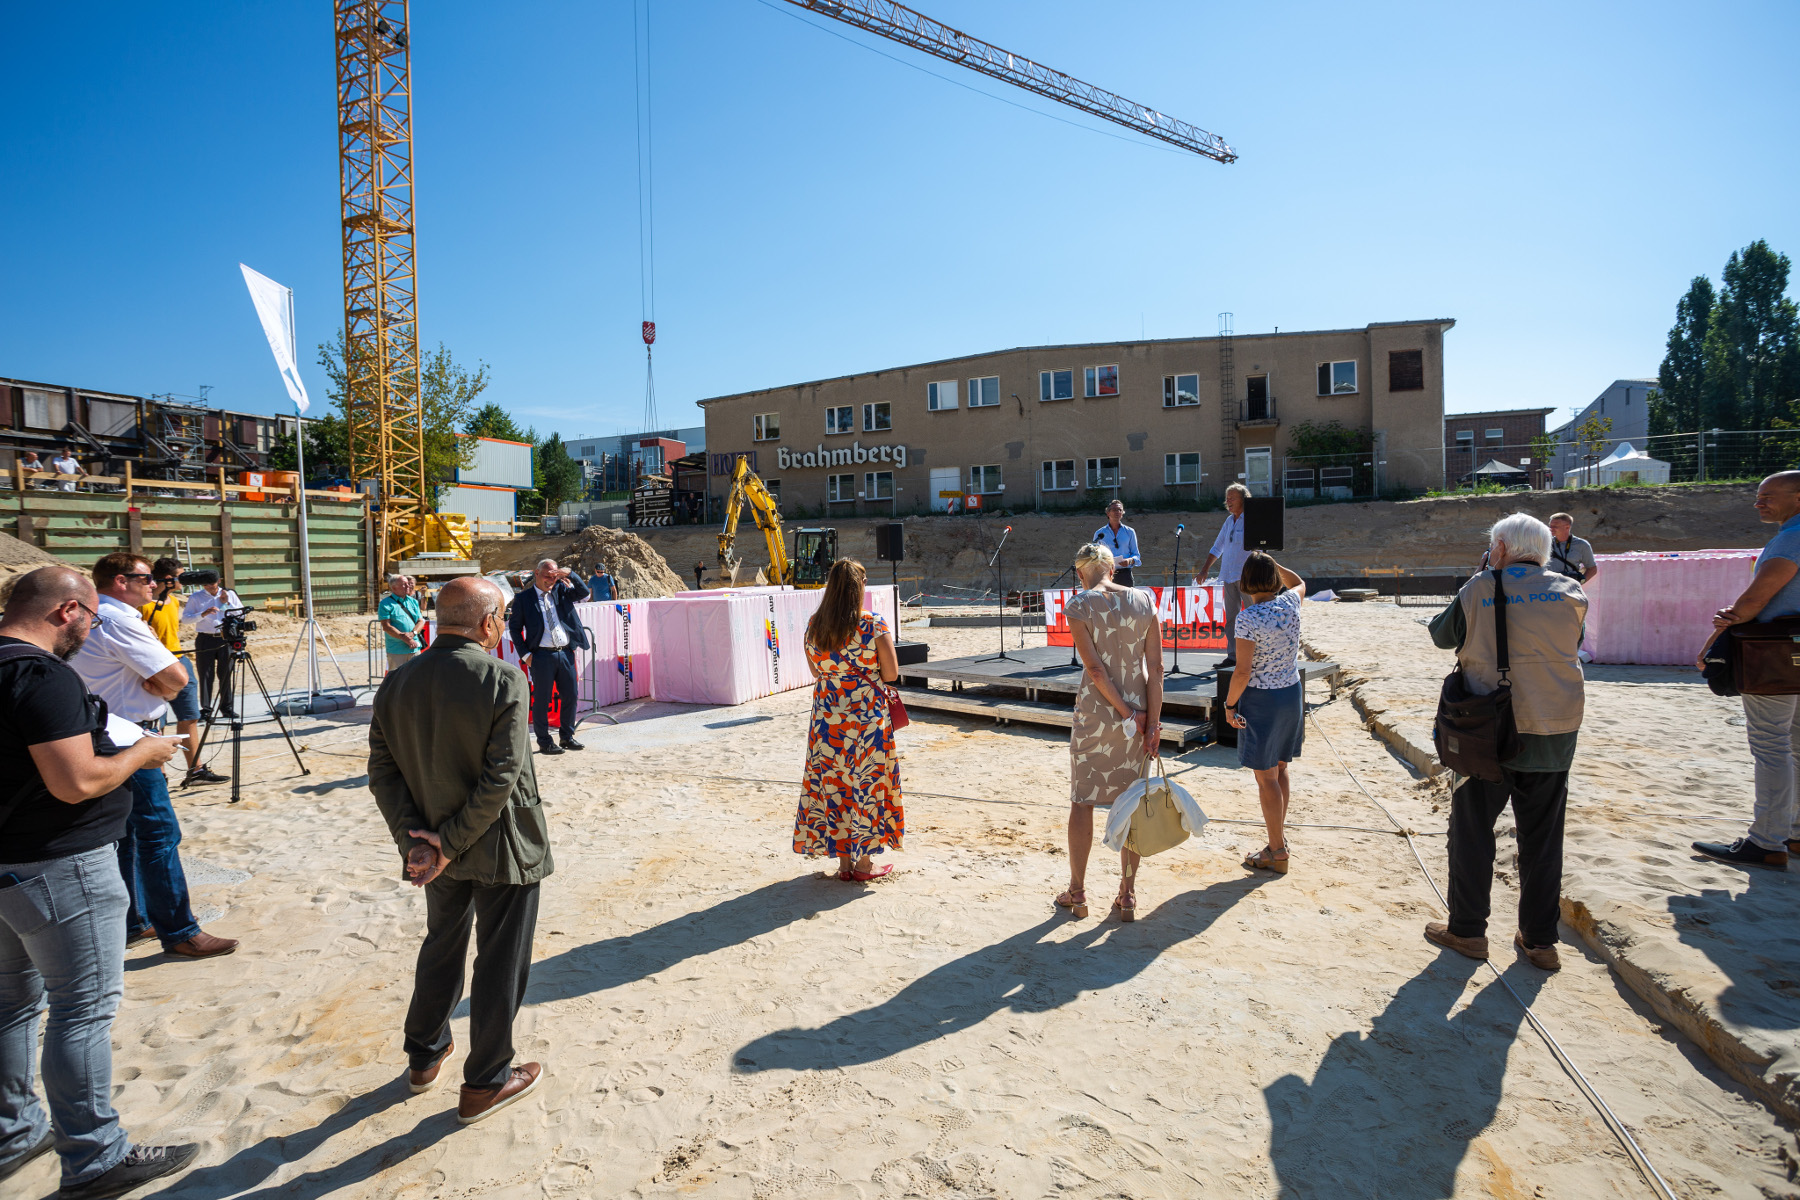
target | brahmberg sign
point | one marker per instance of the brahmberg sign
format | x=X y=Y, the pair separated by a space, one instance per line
x=1194 y=614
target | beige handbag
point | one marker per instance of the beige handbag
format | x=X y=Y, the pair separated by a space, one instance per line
x=1156 y=823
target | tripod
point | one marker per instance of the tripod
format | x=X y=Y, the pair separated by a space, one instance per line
x=1175 y=582
x=1001 y=579
x=240 y=657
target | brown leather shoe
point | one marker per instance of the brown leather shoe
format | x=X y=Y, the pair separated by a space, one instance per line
x=1544 y=958
x=1468 y=947
x=480 y=1102
x=424 y=1081
x=204 y=945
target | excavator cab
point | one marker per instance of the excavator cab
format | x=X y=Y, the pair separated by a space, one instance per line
x=814 y=552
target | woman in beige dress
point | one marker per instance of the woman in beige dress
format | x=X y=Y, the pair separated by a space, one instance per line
x=1118 y=712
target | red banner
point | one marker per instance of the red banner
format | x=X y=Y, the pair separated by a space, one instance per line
x=1193 y=614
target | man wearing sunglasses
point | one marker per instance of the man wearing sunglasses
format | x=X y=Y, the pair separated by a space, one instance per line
x=126 y=665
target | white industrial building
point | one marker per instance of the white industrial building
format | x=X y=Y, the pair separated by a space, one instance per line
x=487 y=490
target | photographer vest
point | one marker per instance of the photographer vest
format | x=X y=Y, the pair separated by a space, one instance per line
x=1544 y=614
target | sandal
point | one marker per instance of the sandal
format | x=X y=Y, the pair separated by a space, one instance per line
x=871 y=876
x=1265 y=860
x=1075 y=900
x=1126 y=905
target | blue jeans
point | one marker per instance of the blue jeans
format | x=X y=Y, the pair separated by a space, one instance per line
x=61 y=933
x=150 y=861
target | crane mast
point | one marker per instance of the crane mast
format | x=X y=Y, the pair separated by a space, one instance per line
x=384 y=411
x=902 y=24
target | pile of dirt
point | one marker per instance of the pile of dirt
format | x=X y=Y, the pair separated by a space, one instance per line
x=641 y=573
x=18 y=558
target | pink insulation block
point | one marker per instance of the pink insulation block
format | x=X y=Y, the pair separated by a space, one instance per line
x=1658 y=608
x=617 y=667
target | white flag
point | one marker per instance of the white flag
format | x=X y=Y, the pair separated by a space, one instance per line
x=275 y=305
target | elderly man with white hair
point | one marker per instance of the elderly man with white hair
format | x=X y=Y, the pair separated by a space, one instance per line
x=1544 y=613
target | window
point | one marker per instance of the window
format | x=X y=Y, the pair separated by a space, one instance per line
x=839 y=488
x=1102 y=381
x=1495 y=435
x=774 y=486
x=1337 y=378
x=1103 y=472
x=877 y=416
x=878 y=485
x=984 y=480
x=766 y=426
x=837 y=420
x=940 y=396
x=587 y=452
x=1059 y=475
x=1465 y=435
x=1180 y=390
x=1406 y=370
x=1056 y=385
x=1181 y=468
x=984 y=392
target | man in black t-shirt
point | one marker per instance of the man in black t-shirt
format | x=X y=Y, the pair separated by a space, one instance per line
x=62 y=901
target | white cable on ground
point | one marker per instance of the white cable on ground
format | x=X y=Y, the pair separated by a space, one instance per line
x=1629 y=1143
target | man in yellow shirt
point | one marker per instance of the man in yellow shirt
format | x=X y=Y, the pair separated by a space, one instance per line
x=164 y=615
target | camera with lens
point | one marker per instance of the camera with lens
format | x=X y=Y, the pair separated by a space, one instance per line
x=233 y=626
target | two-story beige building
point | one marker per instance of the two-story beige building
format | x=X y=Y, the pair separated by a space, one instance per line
x=1047 y=427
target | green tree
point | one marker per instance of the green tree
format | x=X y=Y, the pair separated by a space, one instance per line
x=1591 y=436
x=447 y=394
x=1543 y=449
x=1313 y=440
x=327 y=448
x=1752 y=346
x=1678 y=404
x=558 y=475
x=492 y=421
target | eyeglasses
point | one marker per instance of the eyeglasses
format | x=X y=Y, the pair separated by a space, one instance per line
x=135 y=575
x=98 y=621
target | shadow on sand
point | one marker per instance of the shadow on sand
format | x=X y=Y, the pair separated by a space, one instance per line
x=1023 y=974
x=1391 y=1113
x=1750 y=936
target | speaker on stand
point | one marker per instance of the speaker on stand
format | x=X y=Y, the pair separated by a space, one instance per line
x=1263 y=522
x=890 y=547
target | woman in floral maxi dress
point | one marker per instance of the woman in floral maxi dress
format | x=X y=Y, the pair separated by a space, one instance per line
x=850 y=800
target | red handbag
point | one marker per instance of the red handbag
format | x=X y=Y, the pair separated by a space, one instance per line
x=897 y=709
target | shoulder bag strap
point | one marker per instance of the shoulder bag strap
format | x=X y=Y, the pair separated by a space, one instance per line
x=1501 y=662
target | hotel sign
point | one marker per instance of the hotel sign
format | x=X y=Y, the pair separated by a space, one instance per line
x=855 y=454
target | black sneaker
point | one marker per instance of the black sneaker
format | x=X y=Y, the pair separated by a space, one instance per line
x=204 y=775
x=12 y=1166
x=549 y=748
x=570 y=743
x=139 y=937
x=1744 y=853
x=137 y=1168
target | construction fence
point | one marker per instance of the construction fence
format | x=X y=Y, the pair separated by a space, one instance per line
x=254 y=544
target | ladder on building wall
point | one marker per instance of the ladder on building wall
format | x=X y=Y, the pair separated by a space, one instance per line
x=183 y=554
x=1228 y=403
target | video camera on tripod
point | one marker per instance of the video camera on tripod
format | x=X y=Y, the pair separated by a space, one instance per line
x=233 y=626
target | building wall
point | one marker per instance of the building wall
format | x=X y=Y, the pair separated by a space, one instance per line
x=479 y=503
x=1015 y=436
x=1627 y=403
x=1515 y=428
x=499 y=463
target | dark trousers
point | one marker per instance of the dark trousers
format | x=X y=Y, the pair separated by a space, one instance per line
x=504 y=917
x=1539 y=799
x=214 y=660
x=550 y=667
x=1122 y=576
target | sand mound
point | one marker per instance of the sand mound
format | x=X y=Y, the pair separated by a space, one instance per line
x=641 y=572
x=18 y=558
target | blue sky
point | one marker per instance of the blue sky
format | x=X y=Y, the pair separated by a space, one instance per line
x=1550 y=175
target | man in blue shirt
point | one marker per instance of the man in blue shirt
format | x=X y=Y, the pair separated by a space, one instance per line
x=1228 y=551
x=1770 y=721
x=1121 y=539
x=601 y=583
x=400 y=619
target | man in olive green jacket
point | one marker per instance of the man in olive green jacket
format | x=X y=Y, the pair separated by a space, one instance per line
x=450 y=767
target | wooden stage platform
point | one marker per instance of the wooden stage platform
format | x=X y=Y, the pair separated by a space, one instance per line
x=1037 y=686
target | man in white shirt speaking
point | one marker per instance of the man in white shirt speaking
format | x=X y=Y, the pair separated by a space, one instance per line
x=125 y=664
x=1228 y=551
x=203 y=610
x=545 y=632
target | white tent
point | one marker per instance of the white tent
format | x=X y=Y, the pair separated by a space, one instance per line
x=1623 y=465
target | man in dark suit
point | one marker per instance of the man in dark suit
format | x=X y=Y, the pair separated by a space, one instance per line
x=546 y=632
x=451 y=771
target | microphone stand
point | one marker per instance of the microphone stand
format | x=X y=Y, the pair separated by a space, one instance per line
x=1174 y=574
x=1000 y=580
x=1073 y=661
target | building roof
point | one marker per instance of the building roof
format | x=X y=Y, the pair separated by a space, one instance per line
x=1500 y=412
x=1445 y=323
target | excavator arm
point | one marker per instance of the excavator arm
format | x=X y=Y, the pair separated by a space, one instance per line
x=747 y=489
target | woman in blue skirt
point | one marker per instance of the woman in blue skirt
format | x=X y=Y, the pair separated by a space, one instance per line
x=1267 y=702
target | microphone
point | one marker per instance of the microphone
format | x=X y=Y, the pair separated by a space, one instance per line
x=1179 y=528
x=1008 y=529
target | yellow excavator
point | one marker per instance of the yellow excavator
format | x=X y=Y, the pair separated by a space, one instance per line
x=814 y=549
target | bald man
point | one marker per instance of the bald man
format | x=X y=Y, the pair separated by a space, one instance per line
x=1772 y=722
x=62 y=900
x=450 y=767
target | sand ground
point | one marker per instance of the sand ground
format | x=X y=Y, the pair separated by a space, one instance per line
x=720 y=1020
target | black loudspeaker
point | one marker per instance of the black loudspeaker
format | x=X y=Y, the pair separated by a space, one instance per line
x=1262 y=522
x=890 y=542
